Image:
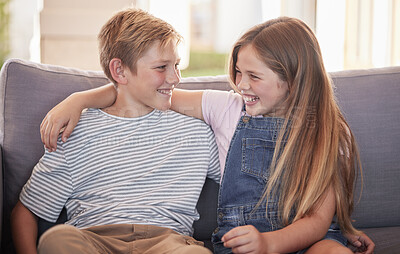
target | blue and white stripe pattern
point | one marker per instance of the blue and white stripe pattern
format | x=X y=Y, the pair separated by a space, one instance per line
x=114 y=170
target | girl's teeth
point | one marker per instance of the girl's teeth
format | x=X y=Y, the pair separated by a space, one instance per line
x=250 y=99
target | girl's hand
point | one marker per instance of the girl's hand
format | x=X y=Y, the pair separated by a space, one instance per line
x=246 y=239
x=361 y=244
x=65 y=114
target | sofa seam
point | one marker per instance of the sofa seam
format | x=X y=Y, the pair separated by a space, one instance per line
x=63 y=69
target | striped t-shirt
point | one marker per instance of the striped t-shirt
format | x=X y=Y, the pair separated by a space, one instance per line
x=114 y=170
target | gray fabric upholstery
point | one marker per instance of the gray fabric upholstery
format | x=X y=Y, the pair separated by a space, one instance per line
x=27 y=97
x=370 y=100
x=387 y=239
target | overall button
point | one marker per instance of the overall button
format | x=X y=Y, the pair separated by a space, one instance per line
x=246 y=119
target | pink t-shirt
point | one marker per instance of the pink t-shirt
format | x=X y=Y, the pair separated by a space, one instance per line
x=222 y=111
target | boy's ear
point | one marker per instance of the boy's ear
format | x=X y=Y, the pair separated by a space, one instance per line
x=117 y=71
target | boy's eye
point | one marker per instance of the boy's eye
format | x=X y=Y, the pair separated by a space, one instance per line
x=162 y=67
x=237 y=71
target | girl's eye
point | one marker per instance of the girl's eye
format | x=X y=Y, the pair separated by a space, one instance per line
x=237 y=71
x=254 y=76
x=162 y=67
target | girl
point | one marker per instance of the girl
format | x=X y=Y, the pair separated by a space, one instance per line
x=289 y=156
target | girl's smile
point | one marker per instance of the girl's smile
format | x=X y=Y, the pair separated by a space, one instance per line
x=263 y=92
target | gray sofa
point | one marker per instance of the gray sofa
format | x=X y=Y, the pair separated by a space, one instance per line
x=370 y=100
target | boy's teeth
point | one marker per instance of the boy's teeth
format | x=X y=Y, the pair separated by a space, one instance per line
x=164 y=91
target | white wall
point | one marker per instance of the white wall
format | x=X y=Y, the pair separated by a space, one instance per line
x=177 y=13
x=234 y=17
x=68 y=30
x=331 y=35
x=65 y=32
x=22 y=14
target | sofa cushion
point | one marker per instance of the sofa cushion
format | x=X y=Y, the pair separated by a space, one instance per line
x=370 y=101
x=386 y=239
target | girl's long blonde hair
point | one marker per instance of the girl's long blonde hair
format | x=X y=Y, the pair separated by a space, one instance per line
x=320 y=151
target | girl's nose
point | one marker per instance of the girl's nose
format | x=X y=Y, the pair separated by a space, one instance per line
x=243 y=84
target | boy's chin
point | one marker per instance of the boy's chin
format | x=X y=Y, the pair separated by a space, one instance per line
x=164 y=107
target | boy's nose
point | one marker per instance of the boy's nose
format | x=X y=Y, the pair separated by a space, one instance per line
x=174 y=77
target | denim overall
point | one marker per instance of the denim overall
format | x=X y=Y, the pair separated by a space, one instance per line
x=245 y=176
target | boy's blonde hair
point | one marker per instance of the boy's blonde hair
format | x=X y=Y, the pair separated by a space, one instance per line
x=128 y=34
x=320 y=151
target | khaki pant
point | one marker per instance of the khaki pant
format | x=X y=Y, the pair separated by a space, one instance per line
x=123 y=238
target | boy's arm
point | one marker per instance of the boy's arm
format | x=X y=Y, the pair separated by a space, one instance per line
x=298 y=235
x=67 y=113
x=24 y=229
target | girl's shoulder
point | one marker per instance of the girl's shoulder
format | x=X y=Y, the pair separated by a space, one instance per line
x=217 y=98
x=221 y=106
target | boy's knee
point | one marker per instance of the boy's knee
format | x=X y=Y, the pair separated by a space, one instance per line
x=57 y=238
x=195 y=249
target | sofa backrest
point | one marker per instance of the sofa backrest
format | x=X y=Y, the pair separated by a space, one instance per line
x=370 y=100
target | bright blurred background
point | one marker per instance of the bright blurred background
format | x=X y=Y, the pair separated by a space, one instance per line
x=353 y=34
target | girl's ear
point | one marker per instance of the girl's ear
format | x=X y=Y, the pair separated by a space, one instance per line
x=284 y=85
x=117 y=71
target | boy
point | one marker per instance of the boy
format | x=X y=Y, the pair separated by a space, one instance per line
x=130 y=174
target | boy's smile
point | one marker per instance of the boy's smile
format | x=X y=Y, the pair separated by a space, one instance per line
x=165 y=91
x=151 y=87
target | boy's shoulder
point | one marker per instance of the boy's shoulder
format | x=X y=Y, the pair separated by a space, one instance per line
x=94 y=122
x=178 y=118
x=187 y=126
x=95 y=115
x=89 y=113
x=89 y=117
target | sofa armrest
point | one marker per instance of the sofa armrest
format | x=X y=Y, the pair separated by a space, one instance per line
x=28 y=91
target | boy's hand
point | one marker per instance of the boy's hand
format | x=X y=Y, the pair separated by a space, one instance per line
x=65 y=114
x=361 y=244
x=245 y=239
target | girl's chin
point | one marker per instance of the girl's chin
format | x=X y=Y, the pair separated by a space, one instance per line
x=252 y=111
